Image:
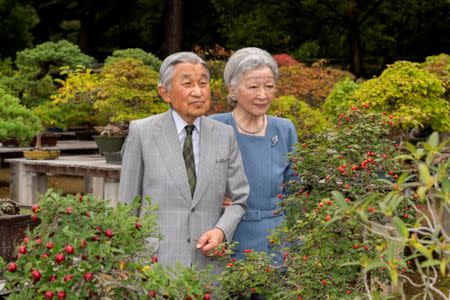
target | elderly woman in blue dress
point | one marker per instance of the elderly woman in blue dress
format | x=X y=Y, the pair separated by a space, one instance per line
x=264 y=141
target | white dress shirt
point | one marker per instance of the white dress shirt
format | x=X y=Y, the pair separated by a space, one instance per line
x=180 y=124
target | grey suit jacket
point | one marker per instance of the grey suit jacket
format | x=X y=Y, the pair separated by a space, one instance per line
x=153 y=165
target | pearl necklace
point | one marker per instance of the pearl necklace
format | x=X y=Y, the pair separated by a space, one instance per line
x=247 y=131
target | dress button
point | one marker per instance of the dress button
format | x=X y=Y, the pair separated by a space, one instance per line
x=189 y=240
x=193 y=209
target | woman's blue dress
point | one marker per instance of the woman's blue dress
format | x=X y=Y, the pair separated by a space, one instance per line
x=267 y=168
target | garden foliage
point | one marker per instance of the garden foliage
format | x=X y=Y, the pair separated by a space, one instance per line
x=307 y=120
x=146 y=57
x=16 y=121
x=310 y=84
x=85 y=249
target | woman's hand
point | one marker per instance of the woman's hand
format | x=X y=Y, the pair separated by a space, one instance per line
x=226 y=202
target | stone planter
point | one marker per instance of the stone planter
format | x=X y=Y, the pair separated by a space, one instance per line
x=110 y=147
x=12 y=231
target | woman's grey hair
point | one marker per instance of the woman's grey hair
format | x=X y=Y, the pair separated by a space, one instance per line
x=169 y=63
x=246 y=59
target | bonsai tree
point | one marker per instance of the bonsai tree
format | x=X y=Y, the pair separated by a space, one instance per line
x=33 y=78
x=146 y=57
x=16 y=121
x=124 y=90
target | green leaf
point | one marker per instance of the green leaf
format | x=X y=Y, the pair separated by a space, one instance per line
x=422 y=249
x=425 y=175
x=401 y=227
x=340 y=199
x=430 y=263
x=374 y=263
x=433 y=140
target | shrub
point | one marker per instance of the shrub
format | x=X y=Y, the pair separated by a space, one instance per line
x=216 y=68
x=424 y=271
x=340 y=99
x=308 y=121
x=439 y=65
x=323 y=244
x=85 y=249
x=413 y=95
x=219 y=101
x=146 y=57
x=284 y=60
x=16 y=121
x=310 y=84
x=127 y=91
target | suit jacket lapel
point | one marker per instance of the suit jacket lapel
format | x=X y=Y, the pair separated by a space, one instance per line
x=207 y=162
x=166 y=139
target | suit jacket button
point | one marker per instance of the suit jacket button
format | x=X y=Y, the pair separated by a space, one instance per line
x=189 y=240
x=193 y=209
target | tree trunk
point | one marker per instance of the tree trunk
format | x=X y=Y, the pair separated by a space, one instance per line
x=173 y=27
x=355 y=50
x=87 y=26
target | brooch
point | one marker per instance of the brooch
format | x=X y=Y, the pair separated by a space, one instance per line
x=274 y=140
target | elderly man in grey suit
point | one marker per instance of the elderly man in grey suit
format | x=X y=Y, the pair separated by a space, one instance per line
x=186 y=163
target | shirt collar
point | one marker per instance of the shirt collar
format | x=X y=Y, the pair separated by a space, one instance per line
x=180 y=123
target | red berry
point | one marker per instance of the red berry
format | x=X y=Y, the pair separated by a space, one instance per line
x=67 y=277
x=347 y=200
x=35 y=208
x=36 y=274
x=247 y=251
x=48 y=295
x=348 y=292
x=366 y=247
x=229 y=265
x=154 y=259
x=329 y=202
x=69 y=210
x=38 y=241
x=12 y=267
x=206 y=297
x=88 y=276
x=327 y=218
x=109 y=233
x=80 y=198
x=305 y=258
x=50 y=245
x=83 y=243
x=355 y=246
x=137 y=226
x=22 y=249
x=321 y=204
x=151 y=294
x=69 y=249
x=52 y=278
x=34 y=218
x=324 y=281
x=26 y=240
x=59 y=258
x=61 y=295
x=405 y=216
x=253 y=290
x=44 y=255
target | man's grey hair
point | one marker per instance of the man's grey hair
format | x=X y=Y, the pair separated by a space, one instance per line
x=246 y=59
x=169 y=63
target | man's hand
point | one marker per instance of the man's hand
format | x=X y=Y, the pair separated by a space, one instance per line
x=210 y=240
x=226 y=202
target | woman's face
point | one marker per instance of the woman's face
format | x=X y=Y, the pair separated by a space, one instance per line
x=255 y=91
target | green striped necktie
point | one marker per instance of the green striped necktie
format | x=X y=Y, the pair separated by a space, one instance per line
x=188 y=154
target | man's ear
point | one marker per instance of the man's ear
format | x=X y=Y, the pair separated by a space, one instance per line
x=164 y=93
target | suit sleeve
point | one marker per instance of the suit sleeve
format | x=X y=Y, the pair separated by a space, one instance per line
x=132 y=166
x=292 y=140
x=237 y=189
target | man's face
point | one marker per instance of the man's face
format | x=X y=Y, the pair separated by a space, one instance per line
x=189 y=92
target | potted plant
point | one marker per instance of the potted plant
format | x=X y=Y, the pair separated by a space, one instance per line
x=13 y=226
x=16 y=121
